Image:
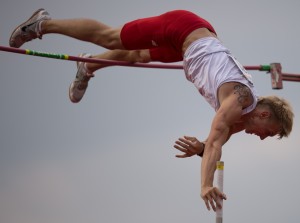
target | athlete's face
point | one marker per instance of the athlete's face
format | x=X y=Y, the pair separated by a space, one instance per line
x=262 y=126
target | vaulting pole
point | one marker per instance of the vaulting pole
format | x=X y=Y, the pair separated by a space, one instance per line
x=220 y=180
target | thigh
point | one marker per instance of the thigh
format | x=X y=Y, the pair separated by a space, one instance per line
x=142 y=33
x=166 y=30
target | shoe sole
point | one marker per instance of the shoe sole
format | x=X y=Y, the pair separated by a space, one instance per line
x=34 y=14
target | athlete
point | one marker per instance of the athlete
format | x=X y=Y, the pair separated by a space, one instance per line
x=170 y=37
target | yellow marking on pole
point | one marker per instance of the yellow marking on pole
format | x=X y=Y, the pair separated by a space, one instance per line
x=220 y=165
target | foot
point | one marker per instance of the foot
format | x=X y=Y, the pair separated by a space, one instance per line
x=29 y=30
x=80 y=84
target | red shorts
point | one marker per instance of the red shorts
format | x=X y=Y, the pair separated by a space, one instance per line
x=163 y=35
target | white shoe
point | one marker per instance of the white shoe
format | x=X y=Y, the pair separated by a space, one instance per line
x=29 y=30
x=80 y=84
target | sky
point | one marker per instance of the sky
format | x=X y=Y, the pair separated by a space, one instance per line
x=110 y=158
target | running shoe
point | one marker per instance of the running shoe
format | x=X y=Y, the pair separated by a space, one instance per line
x=80 y=84
x=29 y=30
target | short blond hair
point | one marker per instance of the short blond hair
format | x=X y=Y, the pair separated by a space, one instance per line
x=282 y=111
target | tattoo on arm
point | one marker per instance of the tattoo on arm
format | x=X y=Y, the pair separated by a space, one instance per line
x=243 y=93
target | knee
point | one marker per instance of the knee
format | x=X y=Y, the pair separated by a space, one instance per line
x=109 y=39
x=141 y=56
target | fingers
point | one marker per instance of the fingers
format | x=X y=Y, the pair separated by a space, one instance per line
x=206 y=203
x=209 y=202
x=190 y=138
x=182 y=156
x=223 y=196
x=183 y=143
x=212 y=198
x=187 y=151
x=180 y=148
x=186 y=145
x=185 y=154
x=187 y=140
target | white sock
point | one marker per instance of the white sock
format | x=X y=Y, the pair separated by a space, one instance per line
x=39 y=28
x=90 y=74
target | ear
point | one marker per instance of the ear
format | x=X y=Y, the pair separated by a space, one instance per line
x=265 y=114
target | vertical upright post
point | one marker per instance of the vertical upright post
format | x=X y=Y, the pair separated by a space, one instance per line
x=276 y=75
x=220 y=179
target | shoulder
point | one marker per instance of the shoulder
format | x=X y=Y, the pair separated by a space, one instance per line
x=239 y=93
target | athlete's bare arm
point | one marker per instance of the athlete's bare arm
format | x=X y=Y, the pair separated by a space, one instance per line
x=233 y=98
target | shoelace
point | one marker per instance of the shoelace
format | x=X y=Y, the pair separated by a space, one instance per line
x=30 y=34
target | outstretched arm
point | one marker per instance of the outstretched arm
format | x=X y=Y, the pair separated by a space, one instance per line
x=132 y=56
x=222 y=127
x=191 y=146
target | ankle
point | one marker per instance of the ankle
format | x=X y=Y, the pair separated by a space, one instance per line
x=88 y=71
x=40 y=27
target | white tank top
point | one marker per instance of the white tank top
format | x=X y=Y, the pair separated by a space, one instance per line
x=208 y=64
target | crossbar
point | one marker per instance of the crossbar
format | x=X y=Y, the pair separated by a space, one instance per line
x=109 y=62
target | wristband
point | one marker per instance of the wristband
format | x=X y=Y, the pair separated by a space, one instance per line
x=201 y=154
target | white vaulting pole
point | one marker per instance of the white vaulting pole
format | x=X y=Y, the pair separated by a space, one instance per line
x=220 y=179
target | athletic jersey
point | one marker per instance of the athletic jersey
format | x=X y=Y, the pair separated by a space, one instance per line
x=208 y=64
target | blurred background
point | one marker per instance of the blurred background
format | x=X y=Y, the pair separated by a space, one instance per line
x=110 y=158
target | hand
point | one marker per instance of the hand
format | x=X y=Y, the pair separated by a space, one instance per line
x=211 y=197
x=190 y=146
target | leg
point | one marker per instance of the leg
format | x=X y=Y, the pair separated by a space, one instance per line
x=85 y=70
x=133 y=56
x=83 y=29
x=86 y=30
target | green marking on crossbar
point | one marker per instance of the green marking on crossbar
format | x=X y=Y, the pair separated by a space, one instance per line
x=50 y=55
x=265 y=68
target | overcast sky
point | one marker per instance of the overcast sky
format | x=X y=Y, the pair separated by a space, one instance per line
x=110 y=158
